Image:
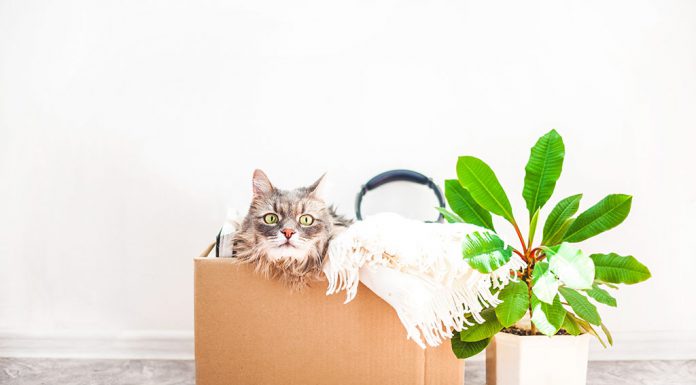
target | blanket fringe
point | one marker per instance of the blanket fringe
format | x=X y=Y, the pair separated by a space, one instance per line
x=428 y=284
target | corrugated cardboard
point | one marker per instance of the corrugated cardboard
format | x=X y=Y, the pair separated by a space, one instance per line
x=250 y=330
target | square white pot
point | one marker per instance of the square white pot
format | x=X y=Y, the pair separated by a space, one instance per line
x=537 y=360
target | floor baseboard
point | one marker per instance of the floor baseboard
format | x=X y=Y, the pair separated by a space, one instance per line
x=178 y=345
x=639 y=346
x=664 y=345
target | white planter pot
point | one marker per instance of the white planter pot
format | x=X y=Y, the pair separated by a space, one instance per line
x=537 y=360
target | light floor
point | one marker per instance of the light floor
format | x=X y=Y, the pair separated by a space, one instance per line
x=36 y=371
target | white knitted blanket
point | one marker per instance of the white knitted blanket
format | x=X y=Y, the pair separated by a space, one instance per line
x=418 y=269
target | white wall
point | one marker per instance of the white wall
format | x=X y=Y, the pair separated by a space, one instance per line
x=127 y=127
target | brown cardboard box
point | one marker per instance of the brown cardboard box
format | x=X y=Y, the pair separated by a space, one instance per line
x=254 y=331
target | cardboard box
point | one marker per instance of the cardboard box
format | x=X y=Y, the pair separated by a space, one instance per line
x=250 y=330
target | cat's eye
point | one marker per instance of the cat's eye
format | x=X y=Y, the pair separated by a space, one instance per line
x=306 y=220
x=270 y=219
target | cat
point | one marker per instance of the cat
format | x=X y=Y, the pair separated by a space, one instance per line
x=286 y=233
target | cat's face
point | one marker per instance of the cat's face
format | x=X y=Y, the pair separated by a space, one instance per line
x=289 y=224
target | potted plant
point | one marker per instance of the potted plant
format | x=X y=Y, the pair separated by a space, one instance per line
x=547 y=311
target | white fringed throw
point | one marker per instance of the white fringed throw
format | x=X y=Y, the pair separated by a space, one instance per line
x=418 y=269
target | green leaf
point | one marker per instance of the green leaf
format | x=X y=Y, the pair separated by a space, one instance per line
x=462 y=203
x=613 y=268
x=533 y=227
x=587 y=327
x=548 y=318
x=515 y=297
x=606 y=214
x=543 y=170
x=477 y=177
x=610 y=339
x=571 y=266
x=485 y=252
x=600 y=295
x=571 y=326
x=463 y=349
x=581 y=305
x=478 y=332
x=540 y=268
x=449 y=216
x=557 y=237
x=554 y=228
x=545 y=283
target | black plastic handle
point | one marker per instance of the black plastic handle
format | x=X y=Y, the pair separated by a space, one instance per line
x=398 y=176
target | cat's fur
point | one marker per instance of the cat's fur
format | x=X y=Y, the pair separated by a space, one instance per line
x=295 y=260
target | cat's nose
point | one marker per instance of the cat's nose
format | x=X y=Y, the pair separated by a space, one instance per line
x=287 y=232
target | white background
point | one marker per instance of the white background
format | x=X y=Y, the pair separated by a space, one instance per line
x=126 y=128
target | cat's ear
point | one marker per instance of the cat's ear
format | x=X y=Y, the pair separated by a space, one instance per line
x=262 y=185
x=318 y=188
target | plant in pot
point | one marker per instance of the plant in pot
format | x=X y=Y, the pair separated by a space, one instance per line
x=547 y=311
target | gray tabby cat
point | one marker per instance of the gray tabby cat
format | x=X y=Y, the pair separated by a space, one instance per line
x=286 y=233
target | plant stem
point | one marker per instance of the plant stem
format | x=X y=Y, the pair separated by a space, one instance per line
x=519 y=235
x=529 y=288
x=528 y=256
